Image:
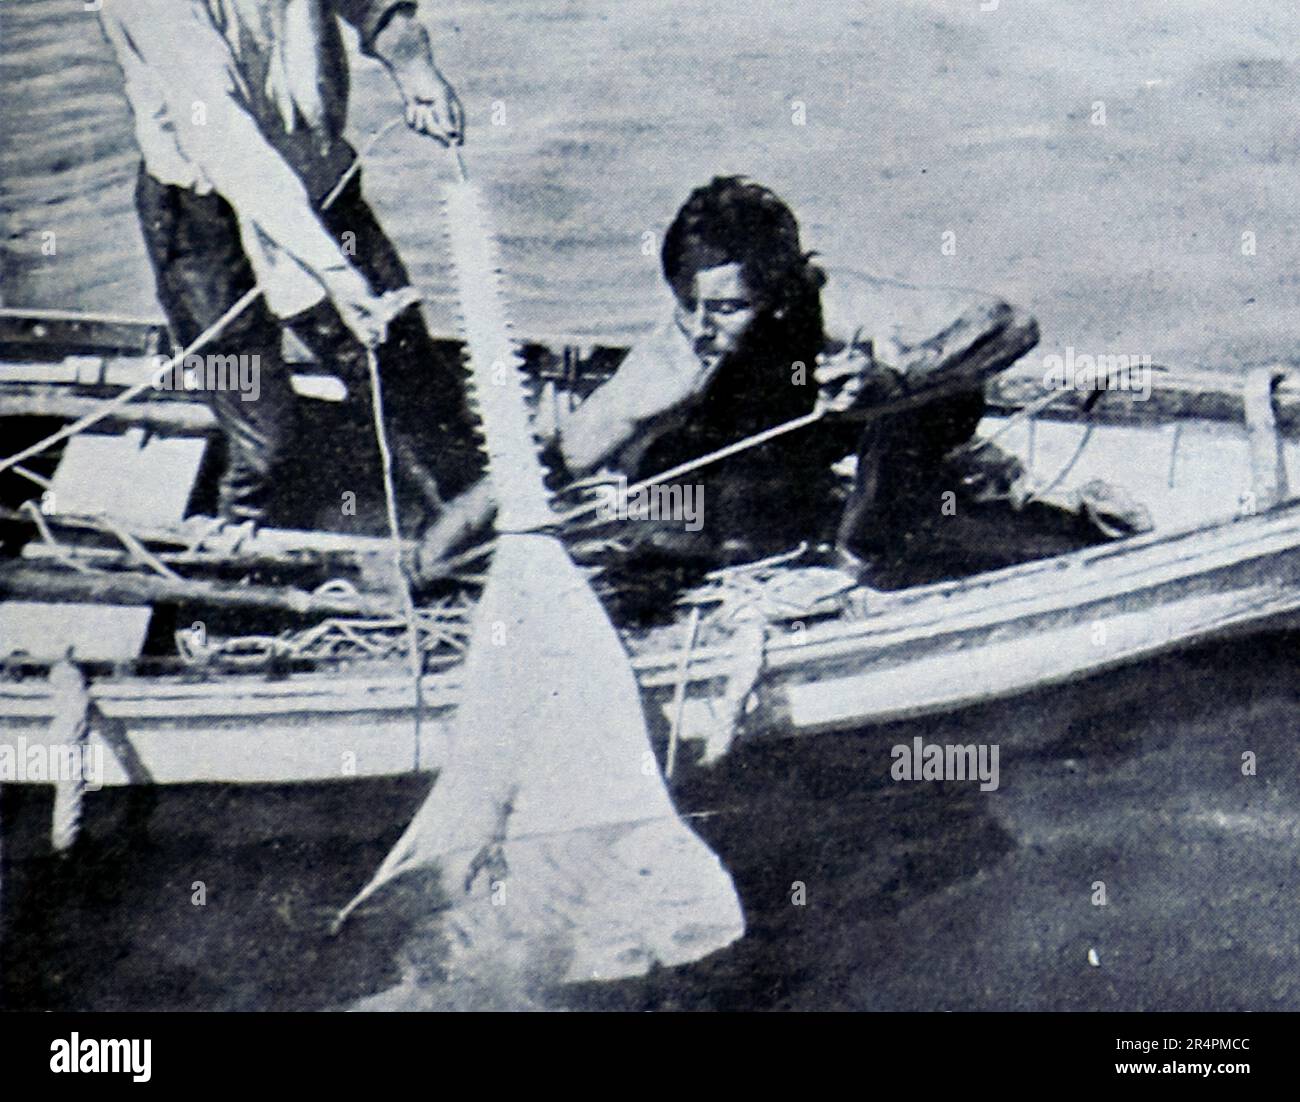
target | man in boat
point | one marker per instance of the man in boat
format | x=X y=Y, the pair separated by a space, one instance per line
x=239 y=111
x=761 y=335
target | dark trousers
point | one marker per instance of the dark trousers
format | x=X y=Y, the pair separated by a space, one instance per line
x=903 y=472
x=201 y=270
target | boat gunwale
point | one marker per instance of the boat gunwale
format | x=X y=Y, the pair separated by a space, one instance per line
x=1073 y=581
x=832 y=642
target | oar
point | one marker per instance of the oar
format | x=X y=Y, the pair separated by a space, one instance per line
x=546 y=806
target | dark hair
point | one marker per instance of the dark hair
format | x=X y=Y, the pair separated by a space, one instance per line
x=734 y=221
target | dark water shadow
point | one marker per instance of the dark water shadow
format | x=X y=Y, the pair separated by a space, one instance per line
x=221 y=898
x=904 y=882
x=914 y=896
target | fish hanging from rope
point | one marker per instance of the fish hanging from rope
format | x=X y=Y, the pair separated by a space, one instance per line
x=550 y=823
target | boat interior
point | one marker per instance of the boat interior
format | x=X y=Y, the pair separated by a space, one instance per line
x=1196 y=449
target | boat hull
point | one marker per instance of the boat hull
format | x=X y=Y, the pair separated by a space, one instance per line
x=927 y=651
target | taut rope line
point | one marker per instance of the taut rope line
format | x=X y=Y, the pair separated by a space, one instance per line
x=414 y=650
x=803 y=421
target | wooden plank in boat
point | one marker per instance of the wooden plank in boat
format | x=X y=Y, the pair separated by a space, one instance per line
x=74 y=330
x=1177 y=394
x=137 y=481
x=165 y=415
x=140 y=482
x=97 y=633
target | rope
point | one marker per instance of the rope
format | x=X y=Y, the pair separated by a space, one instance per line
x=69 y=730
x=1061 y=475
x=911 y=401
x=138 y=551
x=414 y=651
x=1025 y=413
x=565 y=518
x=32 y=476
x=69 y=802
x=679 y=691
x=1173 y=452
x=133 y=392
x=443 y=628
x=580 y=511
x=63 y=554
x=201 y=341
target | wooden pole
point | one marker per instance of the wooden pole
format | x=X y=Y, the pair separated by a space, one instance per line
x=679 y=690
x=1267 y=457
x=38 y=581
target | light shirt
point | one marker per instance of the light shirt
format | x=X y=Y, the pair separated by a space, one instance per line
x=248 y=98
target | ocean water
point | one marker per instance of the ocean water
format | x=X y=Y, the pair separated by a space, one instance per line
x=919 y=117
x=916 y=896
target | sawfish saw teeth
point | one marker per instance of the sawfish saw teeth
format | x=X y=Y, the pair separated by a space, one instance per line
x=495 y=379
x=474 y=406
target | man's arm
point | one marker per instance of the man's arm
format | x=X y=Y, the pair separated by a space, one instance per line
x=918 y=339
x=658 y=376
x=600 y=426
x=392 y=32
x=216 y=134
x=656 y=379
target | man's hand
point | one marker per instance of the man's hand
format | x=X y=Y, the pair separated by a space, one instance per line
x=435 y=110
x=463 y=517
x=851 y=379
x=432 y=106
x=366 y=314
x=554 y=407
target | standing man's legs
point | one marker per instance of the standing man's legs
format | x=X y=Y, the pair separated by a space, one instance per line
x=201 y=271
x=424 y=390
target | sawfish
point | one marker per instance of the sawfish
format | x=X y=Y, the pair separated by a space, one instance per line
x=550 y=824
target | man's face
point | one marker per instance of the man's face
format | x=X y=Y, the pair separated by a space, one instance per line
x=717 y=313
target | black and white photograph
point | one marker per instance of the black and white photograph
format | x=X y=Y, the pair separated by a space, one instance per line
x=660 y=505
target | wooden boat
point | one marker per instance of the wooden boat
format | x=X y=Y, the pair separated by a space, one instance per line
x=774 y=650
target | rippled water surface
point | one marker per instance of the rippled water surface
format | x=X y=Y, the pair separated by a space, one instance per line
x=921 y=116
x=918 y=896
